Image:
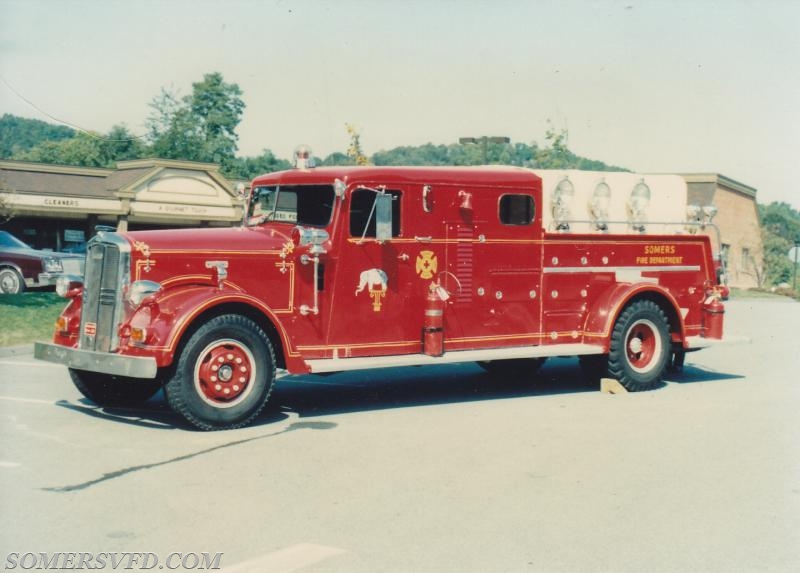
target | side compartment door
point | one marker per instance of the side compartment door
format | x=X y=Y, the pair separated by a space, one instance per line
x=503 y=307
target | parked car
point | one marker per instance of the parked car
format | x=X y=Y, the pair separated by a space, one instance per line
x=22 y=267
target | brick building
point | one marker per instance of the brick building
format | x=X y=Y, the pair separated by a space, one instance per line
x=738 y=221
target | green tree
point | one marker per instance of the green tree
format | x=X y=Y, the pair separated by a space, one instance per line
x=19 y=134
x=88 y=149
x=777 y=266
x=119 y=144
x=6 y=208
x=200 y=126
x=336 y=158
x=782 y=220
x=249 y=167
x=780 y=232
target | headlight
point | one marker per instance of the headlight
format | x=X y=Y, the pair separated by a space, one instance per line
x=52 y=265
x=68 y=285
x=140 y=290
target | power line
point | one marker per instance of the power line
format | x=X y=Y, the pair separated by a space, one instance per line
x=61 y=121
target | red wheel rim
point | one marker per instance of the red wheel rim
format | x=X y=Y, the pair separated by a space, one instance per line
x=224 y=373
x=643 y=346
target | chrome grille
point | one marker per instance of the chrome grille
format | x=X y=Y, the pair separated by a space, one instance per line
x=104 y=278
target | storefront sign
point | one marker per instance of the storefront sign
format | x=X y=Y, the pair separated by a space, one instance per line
x=49 y=203
x=180 y=210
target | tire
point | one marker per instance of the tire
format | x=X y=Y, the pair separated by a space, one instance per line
x=513 y=368
x=224 y=374
x=640 y=346
x=110 y=390
x=11 y=281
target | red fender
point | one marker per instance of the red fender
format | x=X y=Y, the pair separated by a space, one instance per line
x=607 y=308
x=168 y=315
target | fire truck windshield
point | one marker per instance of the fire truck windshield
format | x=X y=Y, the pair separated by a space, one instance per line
x=306 y=205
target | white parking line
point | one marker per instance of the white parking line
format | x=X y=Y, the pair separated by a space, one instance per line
x=39 y=363
x=30 y=400
x=9 y=464
x=285 y=560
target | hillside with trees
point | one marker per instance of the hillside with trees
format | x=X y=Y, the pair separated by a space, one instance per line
x=554 y=155
x=18 y=134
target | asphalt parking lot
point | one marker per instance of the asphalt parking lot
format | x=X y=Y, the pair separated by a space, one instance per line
x=429 y=469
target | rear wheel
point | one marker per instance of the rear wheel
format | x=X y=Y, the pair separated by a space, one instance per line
x=11 y=281
x=640 y=346
x=110 y=390
x=224 y=375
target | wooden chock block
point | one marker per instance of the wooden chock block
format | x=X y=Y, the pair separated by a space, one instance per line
x=612 y=386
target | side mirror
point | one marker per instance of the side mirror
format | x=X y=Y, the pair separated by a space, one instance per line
x=383 y=217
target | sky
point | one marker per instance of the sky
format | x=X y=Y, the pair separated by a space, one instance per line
x=654 y=86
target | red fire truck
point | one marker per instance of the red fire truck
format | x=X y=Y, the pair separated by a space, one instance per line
x=347 y=268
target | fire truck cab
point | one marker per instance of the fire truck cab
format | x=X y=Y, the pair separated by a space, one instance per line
x=348 y=268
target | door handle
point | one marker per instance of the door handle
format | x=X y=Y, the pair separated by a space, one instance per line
x=403 y=257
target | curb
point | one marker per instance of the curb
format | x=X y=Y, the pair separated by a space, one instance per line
x=21 y=350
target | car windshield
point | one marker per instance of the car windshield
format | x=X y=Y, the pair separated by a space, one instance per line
x=308 y=205
x=9 y=241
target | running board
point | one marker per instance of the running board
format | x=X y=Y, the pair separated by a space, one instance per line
x=340 y=364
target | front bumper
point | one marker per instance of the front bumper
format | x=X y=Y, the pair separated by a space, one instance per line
x=104 y=362
x=42 y=280
x=48 y=279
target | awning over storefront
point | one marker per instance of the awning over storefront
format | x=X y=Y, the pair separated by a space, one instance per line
x=143 y=192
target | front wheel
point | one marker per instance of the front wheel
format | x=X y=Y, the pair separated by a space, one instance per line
x=110 y=390
x=224 y=375
x=640 y=346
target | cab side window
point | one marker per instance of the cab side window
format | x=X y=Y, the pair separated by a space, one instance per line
x=362 y=213
x=516 y=210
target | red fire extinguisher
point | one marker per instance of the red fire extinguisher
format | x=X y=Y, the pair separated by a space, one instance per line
x=433 y=324
x=713 y=315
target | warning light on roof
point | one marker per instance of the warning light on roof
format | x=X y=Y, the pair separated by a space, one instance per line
x=562 y=203
x=599 y=205
x=303 y=157
x=638 y=202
